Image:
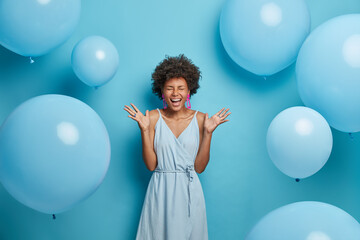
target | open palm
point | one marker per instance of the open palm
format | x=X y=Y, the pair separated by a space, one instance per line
x=141 y=119
x=211 y=124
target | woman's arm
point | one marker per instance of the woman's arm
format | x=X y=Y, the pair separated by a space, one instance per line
x=203 y=156
x=147 y=138
x=148 y=152
x=147 y=128
x=206 y=127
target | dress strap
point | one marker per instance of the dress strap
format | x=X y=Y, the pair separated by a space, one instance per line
x=194 y=118
x=195 y=113
x=159 y=111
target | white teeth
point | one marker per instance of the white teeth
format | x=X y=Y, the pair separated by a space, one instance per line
x=175 y=100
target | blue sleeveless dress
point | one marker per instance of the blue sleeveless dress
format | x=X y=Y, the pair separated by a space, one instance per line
x=174 y=205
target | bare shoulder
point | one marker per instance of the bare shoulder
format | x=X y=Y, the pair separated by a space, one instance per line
x=154 y=113
x=200 y=118
x=154 y=116
x=200 y=115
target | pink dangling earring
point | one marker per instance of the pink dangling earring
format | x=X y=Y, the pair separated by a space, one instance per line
x=164 y=102
x=188 y=104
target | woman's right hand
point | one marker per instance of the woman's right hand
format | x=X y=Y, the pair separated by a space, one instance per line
x=142 y=120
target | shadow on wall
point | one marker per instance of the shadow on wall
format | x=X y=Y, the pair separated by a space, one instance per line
x=70 y=85
x=21 y=80
x=10 y=61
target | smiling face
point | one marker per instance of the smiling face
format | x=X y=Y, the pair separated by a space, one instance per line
x=175 y=93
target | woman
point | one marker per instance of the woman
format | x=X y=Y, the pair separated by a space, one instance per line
x=175 y=143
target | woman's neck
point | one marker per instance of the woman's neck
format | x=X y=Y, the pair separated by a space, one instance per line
x=182 y=113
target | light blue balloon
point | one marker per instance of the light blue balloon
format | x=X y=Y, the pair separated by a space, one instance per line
x=299 y=141
x=54 y=153
x=35 y=27
x=264 y=36
x=328 y=72
x=306 y=221
x=95 y=60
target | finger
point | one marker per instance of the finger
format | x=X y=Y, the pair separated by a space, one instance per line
x=132 y=118
x=224 y=112
x=129 y=108
x=136 y=109
x=146 y=113
x=218 y=113
x=207 y=116
x=224 y=121
x=130 y=111
x=226 y=115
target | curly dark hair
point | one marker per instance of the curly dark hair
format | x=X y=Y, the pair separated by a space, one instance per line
x=175 y=67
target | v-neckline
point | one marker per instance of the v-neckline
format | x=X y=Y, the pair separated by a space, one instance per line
x=177 y=138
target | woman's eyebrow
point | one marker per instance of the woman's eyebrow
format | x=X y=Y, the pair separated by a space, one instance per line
x=175 y=86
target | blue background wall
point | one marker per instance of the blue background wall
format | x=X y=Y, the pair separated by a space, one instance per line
x=241 y=184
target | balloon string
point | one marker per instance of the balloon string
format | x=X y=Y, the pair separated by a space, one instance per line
x=31 y=60
x=54 y=217
x=264 y=78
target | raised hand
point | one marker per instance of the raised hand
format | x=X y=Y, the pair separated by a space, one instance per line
x=141 y=119
x=210 y=124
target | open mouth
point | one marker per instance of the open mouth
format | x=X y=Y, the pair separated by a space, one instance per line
x=175 y=102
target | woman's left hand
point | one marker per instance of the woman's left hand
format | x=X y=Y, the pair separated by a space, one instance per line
x=210 y=124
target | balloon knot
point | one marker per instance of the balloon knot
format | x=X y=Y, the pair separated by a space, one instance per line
x=31 y=60
x=297 y=180
x=351 y=136
x=54 y=217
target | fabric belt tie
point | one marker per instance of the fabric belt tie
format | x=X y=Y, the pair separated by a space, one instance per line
x=189 y=171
